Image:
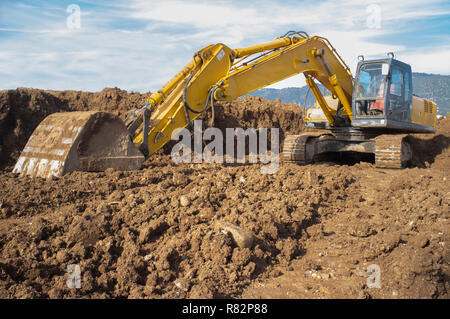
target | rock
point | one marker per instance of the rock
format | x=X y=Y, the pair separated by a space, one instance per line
x=153 y=230
x=420 y=241
x=148 y=257
x=361 y=230
x=180 y=179
x=104 y=208
x=62 y=256
x=5 y=212
x=182 y=284
x=184 y=201
x=201 y=291
x=242 y=237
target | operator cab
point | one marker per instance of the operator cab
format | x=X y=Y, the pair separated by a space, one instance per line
x=370 y=89
x=382 y=94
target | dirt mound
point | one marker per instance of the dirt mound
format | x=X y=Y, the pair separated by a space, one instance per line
x=112 y=100
x=251 y=113
x=393 y=220
x=159 y=232
x=434 y=151
x=154 y=233
x=256 y=112
x=21 y=110
x=165 y=247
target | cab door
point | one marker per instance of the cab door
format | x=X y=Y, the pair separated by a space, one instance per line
x=398 y=94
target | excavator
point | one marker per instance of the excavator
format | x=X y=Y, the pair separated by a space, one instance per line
x=371 y=113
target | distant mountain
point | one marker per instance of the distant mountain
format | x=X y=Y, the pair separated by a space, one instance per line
x=434 y=87
x=298 y=95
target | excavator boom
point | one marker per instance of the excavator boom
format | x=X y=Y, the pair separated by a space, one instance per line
x=218 y=73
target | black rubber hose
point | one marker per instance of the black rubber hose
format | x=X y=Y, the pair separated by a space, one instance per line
x=209 y=98
x=184 y=98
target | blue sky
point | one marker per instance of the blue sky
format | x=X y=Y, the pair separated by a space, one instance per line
x=138 y=45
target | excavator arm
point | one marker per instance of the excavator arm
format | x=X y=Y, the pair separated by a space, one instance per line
x=218 y=73
x=314 y=57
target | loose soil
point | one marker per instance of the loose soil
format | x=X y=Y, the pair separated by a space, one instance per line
x=155 y=233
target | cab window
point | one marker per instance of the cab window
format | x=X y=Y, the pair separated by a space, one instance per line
x=396 y=82
x=371 y=81
x=407 y=86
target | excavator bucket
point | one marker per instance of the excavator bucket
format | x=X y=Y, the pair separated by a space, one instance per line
x=78 y=141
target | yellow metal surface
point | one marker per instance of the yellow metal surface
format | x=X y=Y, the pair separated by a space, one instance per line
x=212 y=66
x=315 y=113
x=157 y=97
x=296 y=58
x=423 y=112
x=263 y=47
x=170 y=114
x=321 y=101
x=341 y=95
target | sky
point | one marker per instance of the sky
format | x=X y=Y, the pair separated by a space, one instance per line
x=138 y=45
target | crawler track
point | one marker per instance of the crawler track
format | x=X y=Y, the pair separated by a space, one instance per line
x=392 y=151
x=294 y=149
x=300 y=148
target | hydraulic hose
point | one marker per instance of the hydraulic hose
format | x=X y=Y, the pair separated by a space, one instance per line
x=209 y=98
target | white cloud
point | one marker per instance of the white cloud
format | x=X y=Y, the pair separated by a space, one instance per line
x=238 y=25
x=428 y=60
x=105 y=52
x=196 y=14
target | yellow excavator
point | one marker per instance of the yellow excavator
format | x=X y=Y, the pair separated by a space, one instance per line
x=370 y=113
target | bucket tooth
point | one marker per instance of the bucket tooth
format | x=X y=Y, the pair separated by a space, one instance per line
x=78 y=141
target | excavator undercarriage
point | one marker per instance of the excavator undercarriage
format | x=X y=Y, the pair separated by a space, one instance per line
x=387 y=151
